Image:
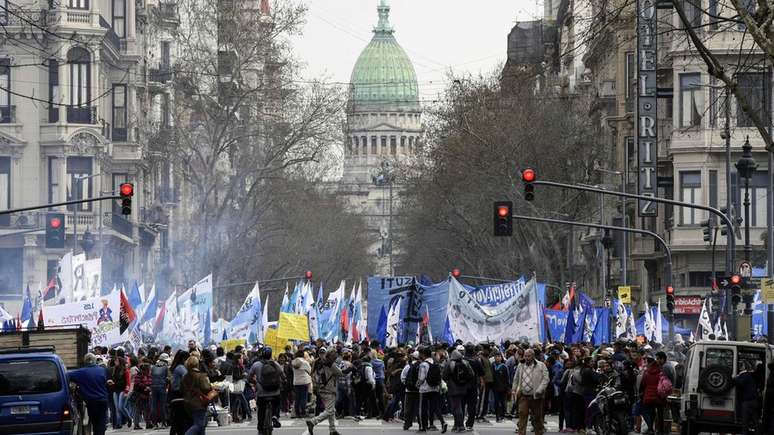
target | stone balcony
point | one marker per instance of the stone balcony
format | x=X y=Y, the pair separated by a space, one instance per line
x=75 y=19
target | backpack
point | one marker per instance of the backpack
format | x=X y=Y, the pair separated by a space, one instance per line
x=412 y=377
x=664 y=388
x=433 y=377
x=271 y=376
x=462 y=373
x=358 y=375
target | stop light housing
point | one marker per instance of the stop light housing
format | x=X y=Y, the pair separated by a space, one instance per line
x=707 y=227
x=55 y=230
x=503 y=219
x=308 y=275
x=126 y=190
x=670 y=298
x=527 y=177
x=734 y=284
x=456 y=273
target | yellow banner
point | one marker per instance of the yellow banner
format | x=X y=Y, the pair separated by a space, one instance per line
x=625 y=294
x=767 y=290
x=231 y=344
x=293 y=327
x=277 y=344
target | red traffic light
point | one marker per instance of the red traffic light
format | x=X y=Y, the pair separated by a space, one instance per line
x=308 y=275
x=528 y=175
x=126 y=189
x=736 y=279
x=503 y=211
x=670 y=291
x=55 y=223
x=456 y=273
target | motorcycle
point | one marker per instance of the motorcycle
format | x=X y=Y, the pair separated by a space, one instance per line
x=609 y=411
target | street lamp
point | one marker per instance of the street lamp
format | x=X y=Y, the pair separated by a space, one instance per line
x=78 y=190
x=746 y=167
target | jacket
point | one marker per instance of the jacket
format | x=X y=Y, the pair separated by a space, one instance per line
x=424 y=367
x=91 y=382
x=142 y=384
x=488 y=374
x=255 y=373
x=456 y=389
x=194 y=384
x=649 y=385
x=159 y=375
x=302 y=372
x=746 y=387
x=531 y=379
x=378 y=366
x=328 y=375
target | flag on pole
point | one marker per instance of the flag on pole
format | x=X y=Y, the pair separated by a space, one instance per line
x=621 y=320
x=208 y=327
x=650 y=325
x=247 y=320
x=314 y=316
x=704 y=319
x=50 y=291
x=285 y=306
x=151 y=306
x=41 y=326
x=659 y=338
x=26 y=313
x=264 y=321
x=631 y=330
x=381 y=328
x=393 y=322
x=134 y=298
x=127 y=313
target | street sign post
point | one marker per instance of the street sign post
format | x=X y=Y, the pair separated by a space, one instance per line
x=625 y=294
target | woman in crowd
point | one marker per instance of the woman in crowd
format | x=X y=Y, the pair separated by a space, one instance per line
x=179 y=419
x=302 y=382
x=141 y=392
x=198 y=393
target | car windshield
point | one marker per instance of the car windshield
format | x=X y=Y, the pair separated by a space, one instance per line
x=29 y=377
x=722 y=357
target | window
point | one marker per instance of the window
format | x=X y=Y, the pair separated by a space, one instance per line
x=5 y=90
x=80 y=76
x=691 y=100
x=53 y=90
x=403 y=145
x=699 y=279
x=354 y=149
x=119 y=18
x=393 y=145
x=722 y=357
x=713 y=189
x=119 y=112
x=693 y=12
x=750 y=6
x=758 y=184
x=384 y=146
x=690 y=191
x=29 y=377
x=411 y=144
x=373 y=145
x=5 y=183
x=631 y=80
x=753 y=88
x=364 y=143
x=166 y=119
x=717 y=104
x=165 y=56
x=78 y=4
x=79 y=187
x=713 y=14
x=54 y=171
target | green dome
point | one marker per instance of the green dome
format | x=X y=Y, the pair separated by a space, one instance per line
x=384 y=74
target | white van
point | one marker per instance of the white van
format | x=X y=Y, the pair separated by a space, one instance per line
x=708 y=396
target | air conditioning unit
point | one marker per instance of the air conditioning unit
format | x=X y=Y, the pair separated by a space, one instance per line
x=27 y=220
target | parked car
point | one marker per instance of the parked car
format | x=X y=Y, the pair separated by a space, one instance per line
x=708 y=397
x=35 y=396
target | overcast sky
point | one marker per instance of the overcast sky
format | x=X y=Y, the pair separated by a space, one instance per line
x=465 y=35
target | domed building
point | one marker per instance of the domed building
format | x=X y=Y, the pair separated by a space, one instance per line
x=384 y=126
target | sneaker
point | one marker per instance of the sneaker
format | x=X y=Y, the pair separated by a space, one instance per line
x=310 y=427
x=432 y=429
x=276 y=423
x=469 y=429
x=444 y=427
x=334 y=433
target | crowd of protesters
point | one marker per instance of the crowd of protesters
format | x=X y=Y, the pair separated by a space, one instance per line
x=422 y=385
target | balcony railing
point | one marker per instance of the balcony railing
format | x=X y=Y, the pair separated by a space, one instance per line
x=82 y=115
x=86 y=219
x=160 y=75
x=121 y=225
x=7 y=114
x=110 y=34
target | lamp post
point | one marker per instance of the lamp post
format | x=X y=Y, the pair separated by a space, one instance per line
x=745 y=167
x=386 y=178
x=77 y=188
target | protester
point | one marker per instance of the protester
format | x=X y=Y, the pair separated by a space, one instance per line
x=267 y=377
x=458 y=376
x=119 y=383
x=429 y=382
x=652 y=405
x=198 y=393
x=92 y=388
x=302 y=380
x=159 y=384
x=529 y=385
x=180 y=420
x=328 y=375
x=749 y=397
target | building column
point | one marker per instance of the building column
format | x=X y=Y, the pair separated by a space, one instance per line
x=64 y=85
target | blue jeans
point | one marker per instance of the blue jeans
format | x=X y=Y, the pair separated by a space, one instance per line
x=158 y=401
x=122 y=414
x=302 y=395
x=199 y=422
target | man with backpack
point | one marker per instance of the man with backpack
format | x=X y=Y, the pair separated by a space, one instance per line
x=409 y=376
x=458 y=375
x=364 y=382
x=429 y=384
x=268 y=377
x=326 y=378
x=471 y=397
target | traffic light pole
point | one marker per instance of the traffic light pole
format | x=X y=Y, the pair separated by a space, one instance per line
x=713 y=210
x=58 y=204
x=659 y=239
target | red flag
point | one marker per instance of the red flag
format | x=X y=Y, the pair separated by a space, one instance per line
x=18 y=323
x=127 y=313
x=344 y=320
x=41 y=327
x=159 y=324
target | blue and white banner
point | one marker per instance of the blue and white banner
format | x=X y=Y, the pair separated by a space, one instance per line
x=759 y=319
x=329 y=315
x=494 y=295
x=556 y=323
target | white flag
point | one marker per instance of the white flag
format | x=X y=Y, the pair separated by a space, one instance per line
x=725 y=331
x=264 y=321
x=650 y=326
x=632 y=329
x=659 y=329
x=620 y=323
x=718 y=331
x=704 y=319
x=393 y=320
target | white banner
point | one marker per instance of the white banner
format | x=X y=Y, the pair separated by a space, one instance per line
x=100 y=315
x=78 y=278
x=470 y=322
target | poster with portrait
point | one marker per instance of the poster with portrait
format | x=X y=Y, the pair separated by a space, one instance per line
x=100 y=315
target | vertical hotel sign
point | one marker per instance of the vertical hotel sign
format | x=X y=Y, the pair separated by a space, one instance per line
x=647 y=112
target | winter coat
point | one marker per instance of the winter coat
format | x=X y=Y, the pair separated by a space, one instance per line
x=159 y=375
x=302 y=372
x=142 y=384
x=649 y=385
x=531 y=379
x=456 y=389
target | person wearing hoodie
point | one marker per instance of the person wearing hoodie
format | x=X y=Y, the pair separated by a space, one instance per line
x=429 y=395
x=302 y=378
x=377 y=407
x=328 y=375
x=458 y=376
x=158 y=399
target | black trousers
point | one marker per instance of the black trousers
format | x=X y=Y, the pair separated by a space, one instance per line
x=458 y=410
x=180 y=421
x=430 y=403
x=470 y=405
x=411 y=409
x=98 y=416
x=484 y=401
x=262 y=411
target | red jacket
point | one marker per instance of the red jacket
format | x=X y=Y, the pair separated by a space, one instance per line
x=649 y=385
x=142 y=384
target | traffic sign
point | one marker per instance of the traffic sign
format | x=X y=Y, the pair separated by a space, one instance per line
x=745 y=269
x=625 y=294
x=767 y=290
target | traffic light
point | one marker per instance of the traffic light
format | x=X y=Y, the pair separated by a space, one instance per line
x=308 y=275
x=55 y=230
x=126 y=190
x=527 y=177
x=707 y=227
x=503 y=219
x=456 y=273
x=734 y=283
x=670 y=298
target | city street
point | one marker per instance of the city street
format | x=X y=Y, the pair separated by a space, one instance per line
x=349 y=427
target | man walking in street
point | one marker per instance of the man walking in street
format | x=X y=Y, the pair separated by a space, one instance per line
x=268 y=377
x=326 y=378
x=529 y=385
x=92 y=387
x=429 y=383
x=409 y=377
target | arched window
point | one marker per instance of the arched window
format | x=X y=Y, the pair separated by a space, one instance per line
x=79 y=59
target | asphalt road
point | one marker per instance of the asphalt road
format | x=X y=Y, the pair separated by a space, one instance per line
x=350 y=427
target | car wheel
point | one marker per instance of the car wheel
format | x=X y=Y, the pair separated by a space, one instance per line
x=715 y=380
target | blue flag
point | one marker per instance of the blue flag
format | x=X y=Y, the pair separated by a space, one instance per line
x=135 y=300
x=151 y=306
x=381 y=328
x=225 y=335
x=26 y=313
x=448 y=337
x=208 y=327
